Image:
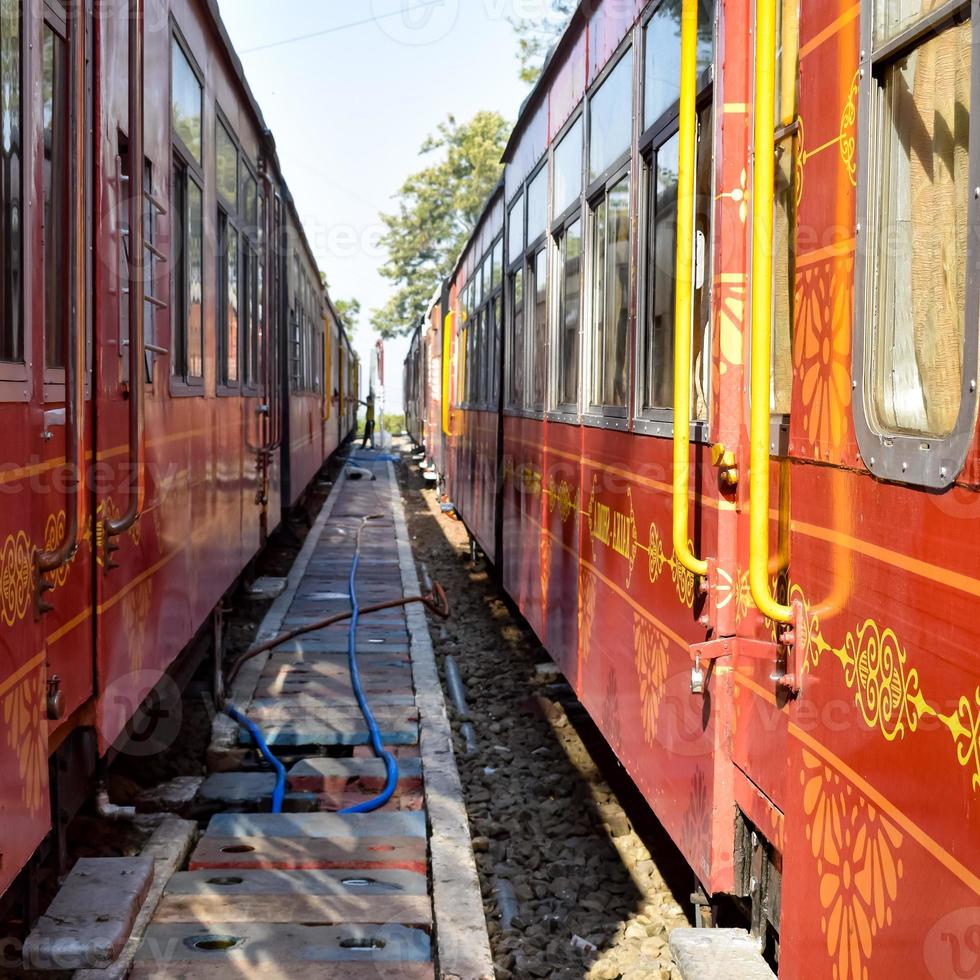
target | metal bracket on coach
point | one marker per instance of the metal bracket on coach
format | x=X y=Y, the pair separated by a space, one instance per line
x=793 y=640
x=783 y=655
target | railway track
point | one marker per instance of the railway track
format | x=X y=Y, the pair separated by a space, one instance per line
x=319 y=888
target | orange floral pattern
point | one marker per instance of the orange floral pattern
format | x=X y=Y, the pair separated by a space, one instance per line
x=822 y=351
x=25 y=736
x=586 y=611
x=650 y=657
x=856 y=849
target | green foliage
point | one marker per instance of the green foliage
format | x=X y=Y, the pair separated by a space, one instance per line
x=349 y=312
x=394 y=422
x=438 y=208
x=535 y=36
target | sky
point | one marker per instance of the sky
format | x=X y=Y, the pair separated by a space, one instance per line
x=351 y=96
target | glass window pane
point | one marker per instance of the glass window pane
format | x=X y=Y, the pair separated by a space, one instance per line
x=662 y=56
x=537 y=205
x=538 y=332
x=498 y=264
x=186 y=104
x=570 y=251
x=232 y=325
x=783 y=277
x=894 y=16
x=54 y=107
x=921 y=274
x=11 y=322
x=249 y=201
x=195 y=280
x=658 y=381
x=611 y=286
x=568 y=169
x=611 y=117
x=515 y=354
x=494 y=371
x=227 y=164
x=700 y=343
x=515 y=231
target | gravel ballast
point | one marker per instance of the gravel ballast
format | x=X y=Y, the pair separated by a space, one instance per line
x=557 y=853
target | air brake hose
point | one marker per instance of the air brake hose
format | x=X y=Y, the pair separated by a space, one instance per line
x=391 y=766
x=280 y=790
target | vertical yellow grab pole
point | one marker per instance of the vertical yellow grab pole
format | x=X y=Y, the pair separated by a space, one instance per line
x=447 y=327
x=763 y=194
x=684 y=275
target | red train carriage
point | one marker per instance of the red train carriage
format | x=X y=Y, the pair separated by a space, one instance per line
x=171 y=372
x=769 y=609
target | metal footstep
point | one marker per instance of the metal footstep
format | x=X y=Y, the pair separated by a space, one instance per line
x=92 y=915
x=718 y=954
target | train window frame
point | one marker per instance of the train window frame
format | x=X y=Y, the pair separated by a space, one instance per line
x=560 y=410
x=900 y=456
x=225 y=385
x=250 y=261
x=184 y=383
x=532 y=246
x=54 y=19
x=514 y=401
x=786 y=139
x=178 y=40
x=16 y=372
x=595 y=195
x=659 y=420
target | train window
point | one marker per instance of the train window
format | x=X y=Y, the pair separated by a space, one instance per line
x=497 y=269
x=569 y=314
x=537 y=205
x=568 y=170
x=186 y=100
x=11 y=320
x=228 y=282
x=188 y=277
x=495 y=326
x=55 y=133
x=921 y=281
x=784 y=212
x=515 y=349
x=658 y=373
x=226 y=156
x=610 y=295
x=515 y=231
x=916 y=359
x=611 y=117
x=659 y=146
x=662 y=56
x=537 y=328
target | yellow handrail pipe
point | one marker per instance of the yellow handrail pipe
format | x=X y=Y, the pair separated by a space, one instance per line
x=761 y=305
x=447 y=326
x=684 y=296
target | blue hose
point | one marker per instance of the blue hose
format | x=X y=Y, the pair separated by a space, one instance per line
x=280 y=791
x=391 y=767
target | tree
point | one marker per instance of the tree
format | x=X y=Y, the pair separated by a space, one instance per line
x=349 y=312
x=536 y=36
x=438 y=208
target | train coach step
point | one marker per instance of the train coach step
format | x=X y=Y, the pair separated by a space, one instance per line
x=92 y=916
x=718 y=954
